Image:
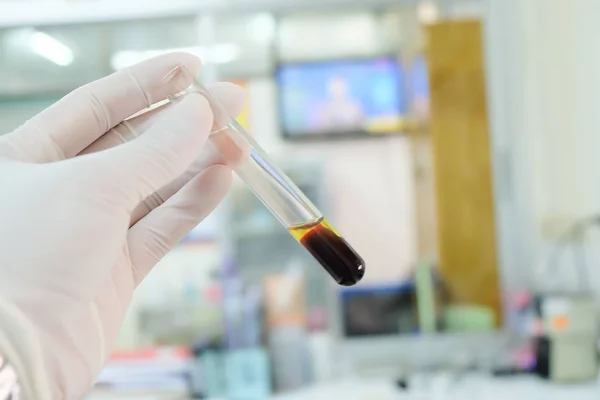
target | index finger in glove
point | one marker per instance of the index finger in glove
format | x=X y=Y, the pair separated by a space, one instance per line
x=66 y=128
x=129 y=173
x=231 y=96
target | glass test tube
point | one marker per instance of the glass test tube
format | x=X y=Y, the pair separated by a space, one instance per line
x=278 y=193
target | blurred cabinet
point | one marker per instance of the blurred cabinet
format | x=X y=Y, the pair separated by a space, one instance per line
x=462 y=166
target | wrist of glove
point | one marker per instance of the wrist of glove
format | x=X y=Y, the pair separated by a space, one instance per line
x=10 y=387
x=22 y=371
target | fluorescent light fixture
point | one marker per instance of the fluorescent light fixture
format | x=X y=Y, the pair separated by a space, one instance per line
x=50 y=48
x=263 y=27
x=218 y=54
x=428 y=12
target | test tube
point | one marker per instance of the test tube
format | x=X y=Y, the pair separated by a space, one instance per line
x=276 y=191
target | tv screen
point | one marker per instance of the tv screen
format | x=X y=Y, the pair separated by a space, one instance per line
x=341 y=98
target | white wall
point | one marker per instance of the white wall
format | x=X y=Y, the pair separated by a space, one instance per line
x=544 y=78
x=321 y=36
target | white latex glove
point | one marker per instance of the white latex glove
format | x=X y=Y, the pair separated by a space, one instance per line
x=83 y=219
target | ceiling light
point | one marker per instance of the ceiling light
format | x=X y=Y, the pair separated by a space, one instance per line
x=428 y=12
x=50 y=48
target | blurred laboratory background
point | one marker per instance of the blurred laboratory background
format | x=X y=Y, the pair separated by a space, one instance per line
x=452 y=142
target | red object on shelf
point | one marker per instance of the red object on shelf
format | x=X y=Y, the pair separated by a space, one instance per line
x=153 y=353
x=213 y=294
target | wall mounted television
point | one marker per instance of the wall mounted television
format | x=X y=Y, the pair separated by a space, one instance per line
x=341 y=98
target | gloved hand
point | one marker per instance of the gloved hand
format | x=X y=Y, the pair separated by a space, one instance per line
x=85 y=217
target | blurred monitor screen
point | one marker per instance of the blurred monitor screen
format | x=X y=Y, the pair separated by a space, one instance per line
x=385 y=310
x=341 y=98
x=403 y=308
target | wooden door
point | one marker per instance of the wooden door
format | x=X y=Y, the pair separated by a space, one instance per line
x=461 y=164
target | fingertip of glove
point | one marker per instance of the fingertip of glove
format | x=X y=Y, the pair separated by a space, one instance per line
x=180 y=69
x=192 y=114
x=230 y=95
